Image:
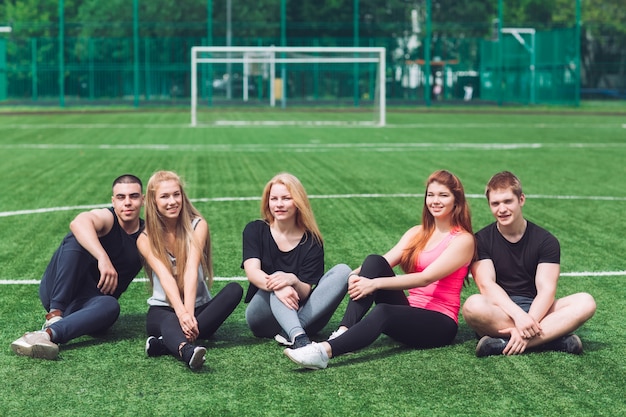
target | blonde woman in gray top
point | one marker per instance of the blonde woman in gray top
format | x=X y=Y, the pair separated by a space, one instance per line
x=176 y=250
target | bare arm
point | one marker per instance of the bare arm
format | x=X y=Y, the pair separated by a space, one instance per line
x=525 y=325
x=87 y=227
x=458 y=253
x=546 y=279
x=394 y=255
x=484 y=274
x=256 y=276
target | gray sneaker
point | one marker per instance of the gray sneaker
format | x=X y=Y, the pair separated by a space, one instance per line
x=311 y=356
x=36 y=345
x=570 y=344
x=488 y=346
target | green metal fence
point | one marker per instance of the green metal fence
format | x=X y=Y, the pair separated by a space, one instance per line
x=530 y=67
x=157 y=70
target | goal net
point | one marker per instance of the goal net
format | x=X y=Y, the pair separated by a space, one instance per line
x=287 y=85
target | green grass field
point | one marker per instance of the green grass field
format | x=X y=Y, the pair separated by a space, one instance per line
x=366 y=187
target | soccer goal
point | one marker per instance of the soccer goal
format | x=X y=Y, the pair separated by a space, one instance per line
x=287 y=85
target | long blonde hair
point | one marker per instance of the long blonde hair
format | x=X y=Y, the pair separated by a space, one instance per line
x=304 y=216
x=155 y=226
x=461 y=218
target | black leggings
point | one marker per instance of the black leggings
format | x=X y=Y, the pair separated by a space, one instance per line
x=162 y=321
x=393 y=316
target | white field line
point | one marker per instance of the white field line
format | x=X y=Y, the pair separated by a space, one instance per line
x=315 y=124
x=240 y=278
x=313 y=196
x=317 y=147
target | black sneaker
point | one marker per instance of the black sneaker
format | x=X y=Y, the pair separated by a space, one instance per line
x=301 y=340
x=193 y=356
x=488 y=346
x=570 y=344
x=155 y=347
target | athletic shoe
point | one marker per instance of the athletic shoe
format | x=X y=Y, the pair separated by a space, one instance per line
x=197 y=358
x=488 y=346
x=36 y=345
x=312 y=356
x=337 y=333
x=51 y=318
x=570 y=344
x=155 y=347
x=301 y=340
x=283 y=340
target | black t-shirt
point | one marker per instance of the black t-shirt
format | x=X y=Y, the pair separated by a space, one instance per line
x=516 y=263
x=306 y=260
x=119 y=246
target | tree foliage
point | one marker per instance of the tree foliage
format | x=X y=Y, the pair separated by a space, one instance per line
x=330 y=21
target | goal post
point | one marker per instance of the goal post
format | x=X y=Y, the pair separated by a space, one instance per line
x=351 y=79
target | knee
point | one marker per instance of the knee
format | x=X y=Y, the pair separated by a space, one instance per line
x=339 y=273
x=472 y=307
x=234 y=291
x=375 y=266
x=256 y=323
x=586 y=304
x=111 y=307
x=341 y=270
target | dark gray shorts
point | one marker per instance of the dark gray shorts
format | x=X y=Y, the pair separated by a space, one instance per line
x=523 y=302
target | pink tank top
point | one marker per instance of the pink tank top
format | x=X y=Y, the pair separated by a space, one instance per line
x=444 y=295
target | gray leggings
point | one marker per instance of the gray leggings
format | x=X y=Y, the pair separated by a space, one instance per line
x=267 y=315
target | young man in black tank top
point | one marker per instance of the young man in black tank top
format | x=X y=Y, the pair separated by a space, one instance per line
x=89 y=271
x=516 y=271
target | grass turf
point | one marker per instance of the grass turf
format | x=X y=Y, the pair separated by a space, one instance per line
x=571 y=165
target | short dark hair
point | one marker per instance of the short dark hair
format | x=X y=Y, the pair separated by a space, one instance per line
x=502 y=181
x=128 y=179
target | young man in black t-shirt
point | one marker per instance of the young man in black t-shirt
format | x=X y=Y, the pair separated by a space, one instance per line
x=516 y=270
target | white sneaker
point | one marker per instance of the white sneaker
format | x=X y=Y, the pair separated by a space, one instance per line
x=282 y=340
x=36 y=345
x=52 y=318
x=311 y=356
x=337 y=333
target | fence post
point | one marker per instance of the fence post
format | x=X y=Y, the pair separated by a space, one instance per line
x=136 y=51
x=356 y=44
x=427 y=71
x=3 y=69
x=577 y=34
x=61 y=54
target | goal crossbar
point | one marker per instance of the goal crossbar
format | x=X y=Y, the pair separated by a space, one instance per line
x=274 y=55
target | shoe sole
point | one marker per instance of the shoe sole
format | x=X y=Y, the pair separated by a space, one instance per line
x=198 y=358
x=313 y=367
x=282 y=341
x=148 y=346
x=36 y=351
